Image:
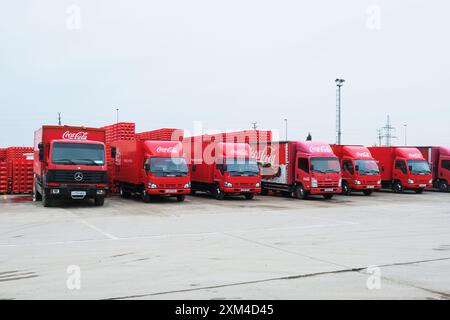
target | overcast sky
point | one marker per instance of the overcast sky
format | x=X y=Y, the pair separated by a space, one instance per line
x=227 y=63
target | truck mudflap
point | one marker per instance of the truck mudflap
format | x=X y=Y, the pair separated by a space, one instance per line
x=75 y=192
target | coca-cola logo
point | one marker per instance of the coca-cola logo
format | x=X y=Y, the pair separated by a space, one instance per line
x=242 y=152
x=167 y=150
x=320 y=149
x=415 y=156
x=363 y=154
x=75 y=135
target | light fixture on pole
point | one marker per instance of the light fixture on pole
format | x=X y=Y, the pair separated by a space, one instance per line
x=117 y=115
x=286 y=123
x=339 y=84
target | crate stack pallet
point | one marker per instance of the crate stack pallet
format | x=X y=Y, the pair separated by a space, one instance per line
x=164 y=134
x=22 y=176
x=245 y=136
x=3 y=177
x=115 y=132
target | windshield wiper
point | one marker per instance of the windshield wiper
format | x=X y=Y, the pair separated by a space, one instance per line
x=90 y=161
x=60 y=161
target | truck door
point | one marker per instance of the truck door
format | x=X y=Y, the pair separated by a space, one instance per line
x=444 y=172
x=302 y=172
x=400 y=171
x=347 y=169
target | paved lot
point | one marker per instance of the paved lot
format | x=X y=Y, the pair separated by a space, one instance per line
x=267 y=248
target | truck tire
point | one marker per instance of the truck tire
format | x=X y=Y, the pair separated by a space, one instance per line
x=443 y=186
x=264 y=191
x=299 y=192
x=193 y=192
x=181 y=197
x=328 y=196
x=123 y=193
x=99 y=201
x=368 y=192
x=397 y=187
x=345 y=188
x=145 y=196
x=218 y=194
x=418 y=191
x=249 y=196
x=36 y=195
x=46 y=202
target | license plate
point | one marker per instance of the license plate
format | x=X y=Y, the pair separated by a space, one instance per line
x=328 y=189
x=370 y=187
x=245 y=190
x=422 y=185
x=78 y=193
x=171 y=191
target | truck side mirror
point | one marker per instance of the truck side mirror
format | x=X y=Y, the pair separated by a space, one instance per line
x=312 y=167
x=357 y=168
x=382 y=168
x=113 y=152
x=41 y=152
x=410 y=168
x=147 y=167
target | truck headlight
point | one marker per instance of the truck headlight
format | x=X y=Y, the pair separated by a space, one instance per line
x=431 y=181
x=187 y=185
x=257 y=185
x=410 y=181
x=228 y=184
x=314 y=183
x=100 y=191
x=379 y=182
x=340 y=183
x=152 y=186
x=357 y=182
x=55 y=191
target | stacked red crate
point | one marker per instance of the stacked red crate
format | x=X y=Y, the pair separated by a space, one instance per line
x=115 y=132
x=2 y=154
x=164 y=134
x=245 y=136
x=4 y=188
x=22 y=175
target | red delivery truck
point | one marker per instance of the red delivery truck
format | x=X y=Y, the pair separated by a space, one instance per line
x=439 y=160
x=359 y=169
x=150 y=168
x=298 y=168
x=402 y=168
x=222 y=168
x=69 y=163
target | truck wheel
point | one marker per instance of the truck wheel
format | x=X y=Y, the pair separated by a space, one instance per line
x=397 y=187
x=367 y=192
x=193 y=192
x=418 y=191
x=264 y=191
x=249 y=196
x=443 y=186
x=218 y=194
x=181 y=197
x=123 y=193
x=299 y=192
x=328 y=196
x=345 y=188
x=145 y=196
x=36 y=195
x=99 y=201
x=46 y=202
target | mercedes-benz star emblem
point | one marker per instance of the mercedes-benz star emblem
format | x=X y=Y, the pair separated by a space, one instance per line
x=78 y=176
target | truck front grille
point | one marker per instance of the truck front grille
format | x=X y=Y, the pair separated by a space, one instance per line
x=77 y=176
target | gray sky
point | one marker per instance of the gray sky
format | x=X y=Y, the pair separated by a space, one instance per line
x=227 y=63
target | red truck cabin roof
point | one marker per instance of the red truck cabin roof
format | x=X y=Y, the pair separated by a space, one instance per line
x=409 y=153
x=314 y=148
x=352 y=152
x=163 y=148
x=69 y=133
x=232 y=150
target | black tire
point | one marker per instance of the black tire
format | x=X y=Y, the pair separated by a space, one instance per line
x=443 y=186
x=286 y=194
x=368 y=192
x=46 y=202
x=264 y=191
x=218 y=194
x=193 y=192
x=328 y=196
x=145 y=196
x=397 y=187
x=299 y=192
x=123 y=193
x=249 y=196
x=345 y=188
x=36 y=195
x=181 y=197
x=99 y=201
x=418 y=191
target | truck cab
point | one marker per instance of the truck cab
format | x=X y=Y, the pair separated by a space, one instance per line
x=68 y=165
x=360 y=170
x=442 y=170
x=317 y=170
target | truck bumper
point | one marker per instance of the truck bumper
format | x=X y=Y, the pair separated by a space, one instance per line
x=241 y=190
x=358 y=187
x=75 y=192
x=418 y=186
x=328 y=190
x=169 y=192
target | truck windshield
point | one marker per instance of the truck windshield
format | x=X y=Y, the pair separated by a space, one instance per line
x=418 y=167
x=167 y=167
x=241 y=167
x=325 y=165
x=78 y=154
x=367 y=167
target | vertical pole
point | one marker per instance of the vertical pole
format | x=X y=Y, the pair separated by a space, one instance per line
x=406 y=134
x=339 y=115
x=117 y=111
x=286 y=124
